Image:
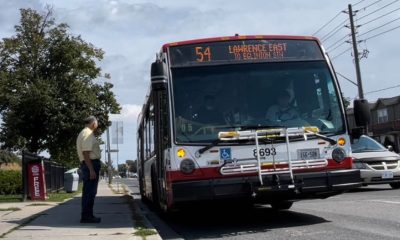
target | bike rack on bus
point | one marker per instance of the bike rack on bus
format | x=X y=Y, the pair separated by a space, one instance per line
x=281 y=167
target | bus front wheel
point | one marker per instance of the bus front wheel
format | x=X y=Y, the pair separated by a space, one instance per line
x=281 y=205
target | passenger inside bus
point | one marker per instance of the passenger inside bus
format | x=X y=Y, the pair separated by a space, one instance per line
x=208 y=113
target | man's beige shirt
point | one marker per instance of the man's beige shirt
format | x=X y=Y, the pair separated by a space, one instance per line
x=86 y=141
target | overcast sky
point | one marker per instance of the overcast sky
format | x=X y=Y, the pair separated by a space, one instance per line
x=131 y=32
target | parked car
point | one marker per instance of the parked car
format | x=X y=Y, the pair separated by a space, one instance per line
x=376 y=163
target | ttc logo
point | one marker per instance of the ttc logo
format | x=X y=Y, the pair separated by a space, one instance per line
x=225 y=154
x=35 y=170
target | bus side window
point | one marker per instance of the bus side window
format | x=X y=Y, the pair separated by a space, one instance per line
x=151 y=130
x=145 y=139
x=139 y=144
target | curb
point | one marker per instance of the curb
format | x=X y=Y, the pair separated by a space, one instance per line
x=142 y=226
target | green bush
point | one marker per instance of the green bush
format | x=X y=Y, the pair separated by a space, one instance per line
x=10 y=182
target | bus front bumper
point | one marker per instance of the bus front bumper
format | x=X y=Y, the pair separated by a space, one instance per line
x=306 y=186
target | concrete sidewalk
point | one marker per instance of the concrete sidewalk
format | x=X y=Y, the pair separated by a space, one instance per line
x=61 y=221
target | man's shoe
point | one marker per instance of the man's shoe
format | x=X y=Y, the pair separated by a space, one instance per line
x=91 y=220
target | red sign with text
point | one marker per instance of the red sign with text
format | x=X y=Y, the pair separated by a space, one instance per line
x=36 y=181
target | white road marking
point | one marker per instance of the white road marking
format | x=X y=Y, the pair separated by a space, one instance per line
x=383 y=201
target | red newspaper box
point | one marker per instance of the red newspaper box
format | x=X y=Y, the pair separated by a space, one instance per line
x=36 y=181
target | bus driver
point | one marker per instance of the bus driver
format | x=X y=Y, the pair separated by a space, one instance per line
x=282 y=111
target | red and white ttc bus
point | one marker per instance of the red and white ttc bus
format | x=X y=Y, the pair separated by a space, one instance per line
x=258 y=118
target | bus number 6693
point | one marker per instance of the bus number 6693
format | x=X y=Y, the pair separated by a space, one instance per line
x=265 y=152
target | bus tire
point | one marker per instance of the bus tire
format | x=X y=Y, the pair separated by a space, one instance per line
x=281 y=205
x=395 y=185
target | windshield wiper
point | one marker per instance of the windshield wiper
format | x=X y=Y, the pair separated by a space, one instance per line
x=215 y=143
x=212 y=144
x=323 y=137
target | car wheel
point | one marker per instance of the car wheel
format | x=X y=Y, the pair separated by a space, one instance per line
x=283 y=205
x=395 y=185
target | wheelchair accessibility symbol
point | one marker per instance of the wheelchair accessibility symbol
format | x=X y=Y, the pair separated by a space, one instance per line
x=225 y=154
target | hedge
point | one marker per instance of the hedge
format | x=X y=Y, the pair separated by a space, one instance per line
x=10 y=182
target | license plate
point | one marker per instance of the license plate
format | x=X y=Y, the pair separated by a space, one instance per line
x=311 y=153
x=387 y=175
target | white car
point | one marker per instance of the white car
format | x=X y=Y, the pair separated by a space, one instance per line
x=376 y=163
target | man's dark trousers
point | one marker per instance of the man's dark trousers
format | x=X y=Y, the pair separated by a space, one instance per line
x=89 y=190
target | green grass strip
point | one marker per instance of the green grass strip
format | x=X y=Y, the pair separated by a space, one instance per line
x=10 y=209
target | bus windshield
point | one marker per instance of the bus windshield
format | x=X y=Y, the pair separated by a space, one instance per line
x=211 y=99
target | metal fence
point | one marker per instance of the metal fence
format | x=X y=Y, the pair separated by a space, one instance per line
x=54 y=174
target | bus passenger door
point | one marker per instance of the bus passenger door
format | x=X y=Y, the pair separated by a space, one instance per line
x=161 y=139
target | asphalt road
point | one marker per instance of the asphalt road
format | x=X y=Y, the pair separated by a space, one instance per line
x=371 y=212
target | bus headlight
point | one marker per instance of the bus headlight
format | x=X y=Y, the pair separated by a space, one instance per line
x=187 y=166
x=338 y=154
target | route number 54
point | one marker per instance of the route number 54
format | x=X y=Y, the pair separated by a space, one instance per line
x=203 y=54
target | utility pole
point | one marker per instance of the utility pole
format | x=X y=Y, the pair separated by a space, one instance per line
x=117 y=156
x=355 y=51
x=109 y=157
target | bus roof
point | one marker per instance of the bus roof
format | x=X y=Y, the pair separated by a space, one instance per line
x=238 y=37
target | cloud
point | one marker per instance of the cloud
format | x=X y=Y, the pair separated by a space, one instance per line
x=129 y=113
x=10 y=14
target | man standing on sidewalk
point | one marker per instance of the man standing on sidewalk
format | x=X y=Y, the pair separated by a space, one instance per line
x=89 y=155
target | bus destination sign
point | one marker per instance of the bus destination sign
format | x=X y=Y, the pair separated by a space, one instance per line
x=240 y=51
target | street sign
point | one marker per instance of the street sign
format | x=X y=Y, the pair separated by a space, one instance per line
x=117 y=132
x=113 y=150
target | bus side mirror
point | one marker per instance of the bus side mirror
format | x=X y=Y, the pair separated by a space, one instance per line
x=158 y=75
x=390 y=148
x=357 y=132
x=362 y=114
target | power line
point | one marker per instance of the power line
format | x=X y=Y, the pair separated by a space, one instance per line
x=337 y=41
x=386 y=14
x=333 y=31
x=337 y=15
x=333 y=34
x=338 y=46
x=346 y=78
x=363 y=8
x=383 y=89
x=358 y=2
x=378 y=9
x=385 y=24
x=332 y=19
x=377 y=35
x=340 y=54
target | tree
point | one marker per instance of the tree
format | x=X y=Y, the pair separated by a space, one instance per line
x=132 y=167
x=103 y=168
x=47 y=86
x=346 y=102
x=122 y=170
x=7 y=157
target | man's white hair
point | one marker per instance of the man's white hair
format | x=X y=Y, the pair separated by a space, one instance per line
x=90 y=120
